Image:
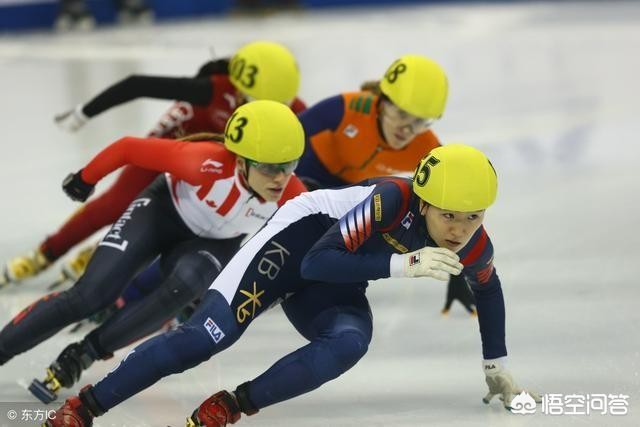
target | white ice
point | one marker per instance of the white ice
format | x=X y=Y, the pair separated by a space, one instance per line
x=549 y=90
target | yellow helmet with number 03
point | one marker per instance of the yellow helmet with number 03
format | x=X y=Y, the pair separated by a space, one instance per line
x=418 y=85
x=456 y=177
x=265 y=132
x=265 y=70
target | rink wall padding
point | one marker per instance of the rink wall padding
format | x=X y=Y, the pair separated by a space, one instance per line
x=21 y=15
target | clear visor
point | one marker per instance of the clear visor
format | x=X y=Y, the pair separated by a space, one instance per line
x=401 y=118
x=274 y=169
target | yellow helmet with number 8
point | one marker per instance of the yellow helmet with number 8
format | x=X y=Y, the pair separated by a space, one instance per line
x=265 y=70
x=265 y=132
x=456 y=177
x=418 y=85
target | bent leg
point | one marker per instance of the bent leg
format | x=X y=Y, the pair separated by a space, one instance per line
x=193 y=272
x=337 y=320
x=211 y=329
x=129 y=244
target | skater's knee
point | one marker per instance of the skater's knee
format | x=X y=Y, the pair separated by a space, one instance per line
x=196 y=271
x=349 y=346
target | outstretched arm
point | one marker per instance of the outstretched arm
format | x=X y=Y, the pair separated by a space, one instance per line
x=198 y=91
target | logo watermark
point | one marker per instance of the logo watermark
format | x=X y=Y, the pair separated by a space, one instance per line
x=24 y=414
x=572 y=404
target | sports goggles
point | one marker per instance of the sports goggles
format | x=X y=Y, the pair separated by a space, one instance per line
x=399 y=116
x=273 y=169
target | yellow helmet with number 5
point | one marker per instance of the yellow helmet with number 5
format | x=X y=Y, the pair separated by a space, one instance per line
x=418 y=85
x=265 y=70
x=265 y=132
x=456 y=177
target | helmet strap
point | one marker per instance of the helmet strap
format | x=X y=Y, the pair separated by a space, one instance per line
x=244 y=179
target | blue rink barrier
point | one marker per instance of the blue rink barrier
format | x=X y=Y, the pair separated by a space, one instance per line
x=30 y=15
x=40 y=14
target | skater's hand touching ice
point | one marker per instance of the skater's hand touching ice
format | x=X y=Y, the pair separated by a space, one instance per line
x=500 y=382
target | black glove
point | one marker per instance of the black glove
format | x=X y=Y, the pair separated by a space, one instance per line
x=76 y=188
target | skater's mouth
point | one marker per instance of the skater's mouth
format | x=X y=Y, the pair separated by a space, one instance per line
x=452 y=242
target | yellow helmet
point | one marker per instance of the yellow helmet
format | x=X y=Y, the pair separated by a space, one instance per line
x=418 y=85
x=265 y=70
x=265 y=132
x=456 y=177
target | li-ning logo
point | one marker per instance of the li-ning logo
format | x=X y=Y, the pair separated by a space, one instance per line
x=213 y=329
x=211 y=166
x=113 y=239
x=523 y=404
x=414 y=259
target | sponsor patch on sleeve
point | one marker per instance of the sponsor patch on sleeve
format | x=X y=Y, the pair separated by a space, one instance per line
x=213 y=329
x=377 y=207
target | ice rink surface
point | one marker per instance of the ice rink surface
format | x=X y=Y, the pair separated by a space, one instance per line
x=549 y=90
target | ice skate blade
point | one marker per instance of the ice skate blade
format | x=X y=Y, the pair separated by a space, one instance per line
x=41 y=392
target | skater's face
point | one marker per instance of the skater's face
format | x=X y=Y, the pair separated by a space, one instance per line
x=399 y=127
x=267 y=179
x=451 y=229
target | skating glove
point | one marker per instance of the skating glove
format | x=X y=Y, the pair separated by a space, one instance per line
x=71 y=120
x=500 y=382
x=438 y=263
x=76 y=188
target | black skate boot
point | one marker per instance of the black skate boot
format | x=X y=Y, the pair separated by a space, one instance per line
x=458 y=289
x=63 y=373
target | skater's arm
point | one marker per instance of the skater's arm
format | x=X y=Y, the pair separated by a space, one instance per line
x=180 y=158
x=481 y=275
x=335 y=257
x=197 y=91
x=324 y=116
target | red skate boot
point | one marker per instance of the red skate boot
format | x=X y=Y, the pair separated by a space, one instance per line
x=217 y=411
x=71 y=414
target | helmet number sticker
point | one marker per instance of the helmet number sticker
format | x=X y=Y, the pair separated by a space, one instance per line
x=238 y=127
x=394 y=71
x=422 y=175
x=244 y=73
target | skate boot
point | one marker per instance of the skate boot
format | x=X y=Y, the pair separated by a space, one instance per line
x=73 y=269
x=74 y=15
x=23 y=267
x=134 y=11
x=63 y=373
x=458 y=289
x=217 y=411
x=77 y=411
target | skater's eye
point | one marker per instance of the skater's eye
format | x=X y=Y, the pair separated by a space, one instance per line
x=448 y=216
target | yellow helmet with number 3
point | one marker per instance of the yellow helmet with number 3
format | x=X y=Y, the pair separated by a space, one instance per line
x=456 y=177
x=265 y=132
x=265 y=70
x=418 y=85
